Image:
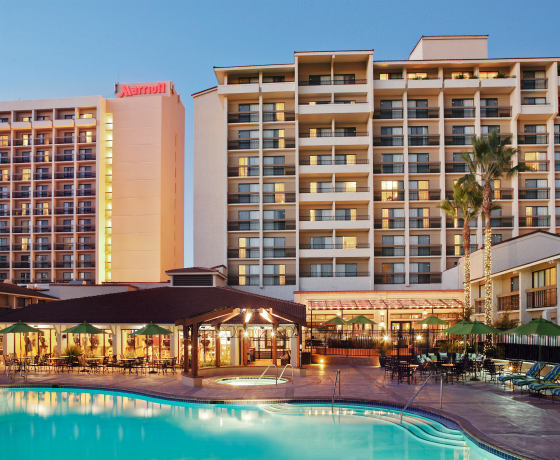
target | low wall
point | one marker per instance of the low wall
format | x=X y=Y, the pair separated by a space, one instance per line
x=345 y=360
x=207 y=372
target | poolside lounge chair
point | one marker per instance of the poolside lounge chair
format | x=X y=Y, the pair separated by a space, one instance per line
x=549 y=382
x=555 y=392
x=548 y=378
x=532 y=372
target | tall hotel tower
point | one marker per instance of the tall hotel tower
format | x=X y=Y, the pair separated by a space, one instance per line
x=325 y=174
x=91 y=189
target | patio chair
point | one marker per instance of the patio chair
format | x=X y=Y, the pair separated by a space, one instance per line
x=432 y=357
x=459 y=372
x=389 y=366
x=491 y=370
x=549 y=378
x=532 y=372
x=140 y=365
x=443 y=357
x=405 y=373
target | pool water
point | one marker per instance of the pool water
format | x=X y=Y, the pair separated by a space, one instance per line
x=63 y=423
x=251 y=381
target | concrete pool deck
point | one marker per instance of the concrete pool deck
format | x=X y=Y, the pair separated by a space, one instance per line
x=525 y=424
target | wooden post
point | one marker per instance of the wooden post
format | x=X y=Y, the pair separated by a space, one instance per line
x=217 y=345
x=185 y=348
x=194 y=350
x=274 y=345
x=298 y=358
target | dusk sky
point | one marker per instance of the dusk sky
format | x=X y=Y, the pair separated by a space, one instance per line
x=69 y=48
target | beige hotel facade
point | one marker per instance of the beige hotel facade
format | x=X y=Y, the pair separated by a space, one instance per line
x=320 y=179
x=91 y=189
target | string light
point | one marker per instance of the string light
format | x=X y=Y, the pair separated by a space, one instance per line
x=488 y=285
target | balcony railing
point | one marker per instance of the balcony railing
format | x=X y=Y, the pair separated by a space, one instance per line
x=459 y=139
x=279 y=280
x=41 y=280
x=243 y=117
x=502 y=137
x=85 y=246
x=459 y=112
x=42 y=194
x=458 y=223
x=85 y=174
x=85 y=264
x=86 y=157
x=335 y=217
x=458 y=250
x=63 y=264
x=332 y=82
x=243 y=144
x=285 y=197
x=389 y=251
x=63 y=247
x=535 y=166
x=22 y=177
x=502 y=193
x=21 y=247
x=21 y=264
x=243 y=171
x=387 y=114
x=42 y=229
x=389 y=278
x=85 y=192
x=42 y=264
x=42 y=247
x=388 y=168
x=278 y=224
x=419 y=140
x=329 y=161
x=279 y=170
x=534 y=193
x=424 y=112
x=21 y=229
x=85 y=210
x=424 y=195
x=495 y=112
x=64 y=193
x=388 y=141
x=534 y=221
x=532 y=139
x=425 y=278
x=333 y=246
x=479 y=306
x=544 y=297
x=456 y=167
x=508 y=302
x=18 y=194
x=22 y=142
x=534 y=83
x=425 y=250
x=389 y=195
x=335 y=190
x=279 y=143
x=335 y=134
x=243 y=225
x=309 y=274
x=22 y=159
x=278 y=253
x=278 y=116
x=388 y=223
x=424 y=222
x=500 y=221
x=64 y=140
x=241 y=198
x=64 y=175
x=423 y=168
x=86 y=139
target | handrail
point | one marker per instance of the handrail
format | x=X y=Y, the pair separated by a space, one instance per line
x=337 y=379
x=265 y=373
x=420 y=389
x=283 y=370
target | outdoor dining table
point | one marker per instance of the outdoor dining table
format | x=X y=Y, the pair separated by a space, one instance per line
x=124 y=361
x=158 y=360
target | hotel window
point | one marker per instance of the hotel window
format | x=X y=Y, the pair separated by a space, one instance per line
x=4 y=210
x=346 y=242
x=320 y=159
x=274 y=79
x=43 y=155
x=247 y=219
x=461 y=74
x=532 y=219
x=458 y=243
x=419 y=190
x=391 y=190
x=85 y=225
x=321 y=270
x=248 y=193
x=274 y=139
x=485 y=74
x=84 y=275
x=69 y=117
x=319 y=215
x=268 y=166
x=346 y=214
x=345 y=132
x=248 y=166
x=68 y=172
x=533 y=79
x=534 y=101
x=4 y=120
x=391 y=109
x=249 y=248
x=392 y=218
x=274 y=275
x=67 y=155
x=273 y=111
x=345 y=187
x=321 y=242
x=487 y=129
x=345 y=159
x=393 y=240
x=246 y=80
x=534 y=161
x=534 y=129
x=347 y=270
x=249 y=275
x=42 y=275
x=462 y=135
x=86 y=115
x=4 y=141
x=418 y=108
x=85 y=154
x=416 y=75
x=489 y=102
x=248 y=139
x=86 y=136
x=496 y=238
x=390 y=76
x=43 y=209
x=393 y=273
x=536 y=189
x=545 y=277
x=4 y=157
x=320 y=132
x=320 y=187
x=274 y=193
x=393 y=136
x=514 y=286
x=420 y=273
x=319 y=80
x=274 y=247
x=67 y=275
x=418 y=163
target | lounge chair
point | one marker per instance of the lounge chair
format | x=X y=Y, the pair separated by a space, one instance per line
x=549 y=382
x=548 y=378
x=555 y=392
x=532 y=372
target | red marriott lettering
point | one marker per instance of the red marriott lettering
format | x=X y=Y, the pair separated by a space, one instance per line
x=145 y=89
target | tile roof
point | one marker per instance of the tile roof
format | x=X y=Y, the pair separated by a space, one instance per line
x=7 y=288
x=162 y=305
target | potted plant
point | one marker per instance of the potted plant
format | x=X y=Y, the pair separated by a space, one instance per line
x=383 y=348
x=73 y=352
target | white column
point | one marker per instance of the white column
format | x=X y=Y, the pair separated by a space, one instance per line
x=525 y=282
x=58 y=330
x=174 y=342
x=234 y=353
x=293 y=351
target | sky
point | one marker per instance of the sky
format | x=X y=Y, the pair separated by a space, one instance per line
x=61 y=48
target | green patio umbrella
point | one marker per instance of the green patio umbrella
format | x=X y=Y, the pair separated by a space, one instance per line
x=454 y=328
x=152 y=329
x=83 y=328
x=539 y=326
x=19 y=328
x=361 y=319
x=431 y=321
x=336 y=321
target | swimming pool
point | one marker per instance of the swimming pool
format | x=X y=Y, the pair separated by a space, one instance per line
x=242 y=381
x=70 y=423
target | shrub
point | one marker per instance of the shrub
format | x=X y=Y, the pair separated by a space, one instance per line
x=72 y=350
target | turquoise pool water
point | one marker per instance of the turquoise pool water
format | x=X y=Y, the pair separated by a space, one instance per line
x=75 y=424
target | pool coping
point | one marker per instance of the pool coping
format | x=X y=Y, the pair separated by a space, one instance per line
x=473 y=434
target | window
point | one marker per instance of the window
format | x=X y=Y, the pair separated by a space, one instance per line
x=346 y=214
x=514 y=285
x=346 y=159
x=390 y=76
x=390 y=190
x=317 y=215
x=487 y=74
x=320 y=187
x=545 y=277
x=248 y=275
x=345 y=187
x=273 y=79
x=489 y=102
x=416 y=75
x=346 y=242
x=321 y=270
x=461 y=74
x=347 y=270
x=274 y=275
x=392 y=218
x=321 y=242
x=248 y=166
x=415 y=187
x=320 y=159
x=487 y=129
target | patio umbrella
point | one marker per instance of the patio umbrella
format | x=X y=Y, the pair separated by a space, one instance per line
x=151 y=329
x=336 y=321
x=361 y=319
x=539 y=326
x=476 y=328
x=456 y=327
x=19 y=328
x=83 y=328
x=431 y=321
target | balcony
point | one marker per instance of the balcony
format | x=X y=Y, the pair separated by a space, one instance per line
x=279 y=280
x=425 y=250
x=335 y=190
x=534 y=221
x=243 y=117
x=65 y=210
x=85 y=210
x=424 y=112
x=278 y=225
x=389 y=278
x=389 y=195
x=459 y=112
x=4 y=247
x=85 y=192
x=425 y=278
x=389 y=251
x=424 y=222
x=336 y=108
x=332 y=82
x=387 y=114
x=457 y=250
x=508 y=302
x=63 y=247
x=41 y=280
x=244 y=280
x=63 y=228
x=42 y=247
x=243 y=198
x=279 y=170
x=21 y=229
x=64 y=140
x=21 y=159
x=389 y=223
x=62 y=158
x=535 y=166
x=534 y=83
x=500 y=221
x=333 y=246
x=86 y=157
x=84 y=246
x=21 y=212
x=388 y=168
x=329 y=161
x=86 y=139
x=279 y=143
x=42 y=264
x=63 y=264
x=424 y=195
x=459 y=139
x=388 y=141
x=502 y=193
x=42 y=211
x=331 y=218
x=534 y=193
x=279 y=198
x=542 y=297
x=243 y=225
x=85 y=174
x=329 y=138
x=309 y=274
x=495 y=112
x=459 y=167
x=423 y=168
x=278 y=116
x=64 y=175
x=85 y=264
x=458 y=223
x=21 y=264
x=64 y=193
x=18 y=194
x=42 y=229
x=532 y=139
x=278 y=253
x=42 y=194
x=421 y=140
x=22 y=142
x=21 y=177
x=243 y=144
x=502 y=137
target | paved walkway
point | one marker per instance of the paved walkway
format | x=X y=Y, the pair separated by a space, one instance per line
x=521 y=422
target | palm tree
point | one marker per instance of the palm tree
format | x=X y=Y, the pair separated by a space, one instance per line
x=490 y=160
x=465 y=204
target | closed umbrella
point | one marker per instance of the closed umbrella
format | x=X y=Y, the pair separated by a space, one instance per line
x=152 y=329
x=19 y=328
x=539 y=326
x=431 y=321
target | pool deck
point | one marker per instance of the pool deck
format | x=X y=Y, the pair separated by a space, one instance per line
x=525 y=424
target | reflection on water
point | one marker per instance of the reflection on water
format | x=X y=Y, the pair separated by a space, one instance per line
x=58 y=424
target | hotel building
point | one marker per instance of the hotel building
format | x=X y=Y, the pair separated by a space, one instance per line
x=325 y=175
x=91 y=189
